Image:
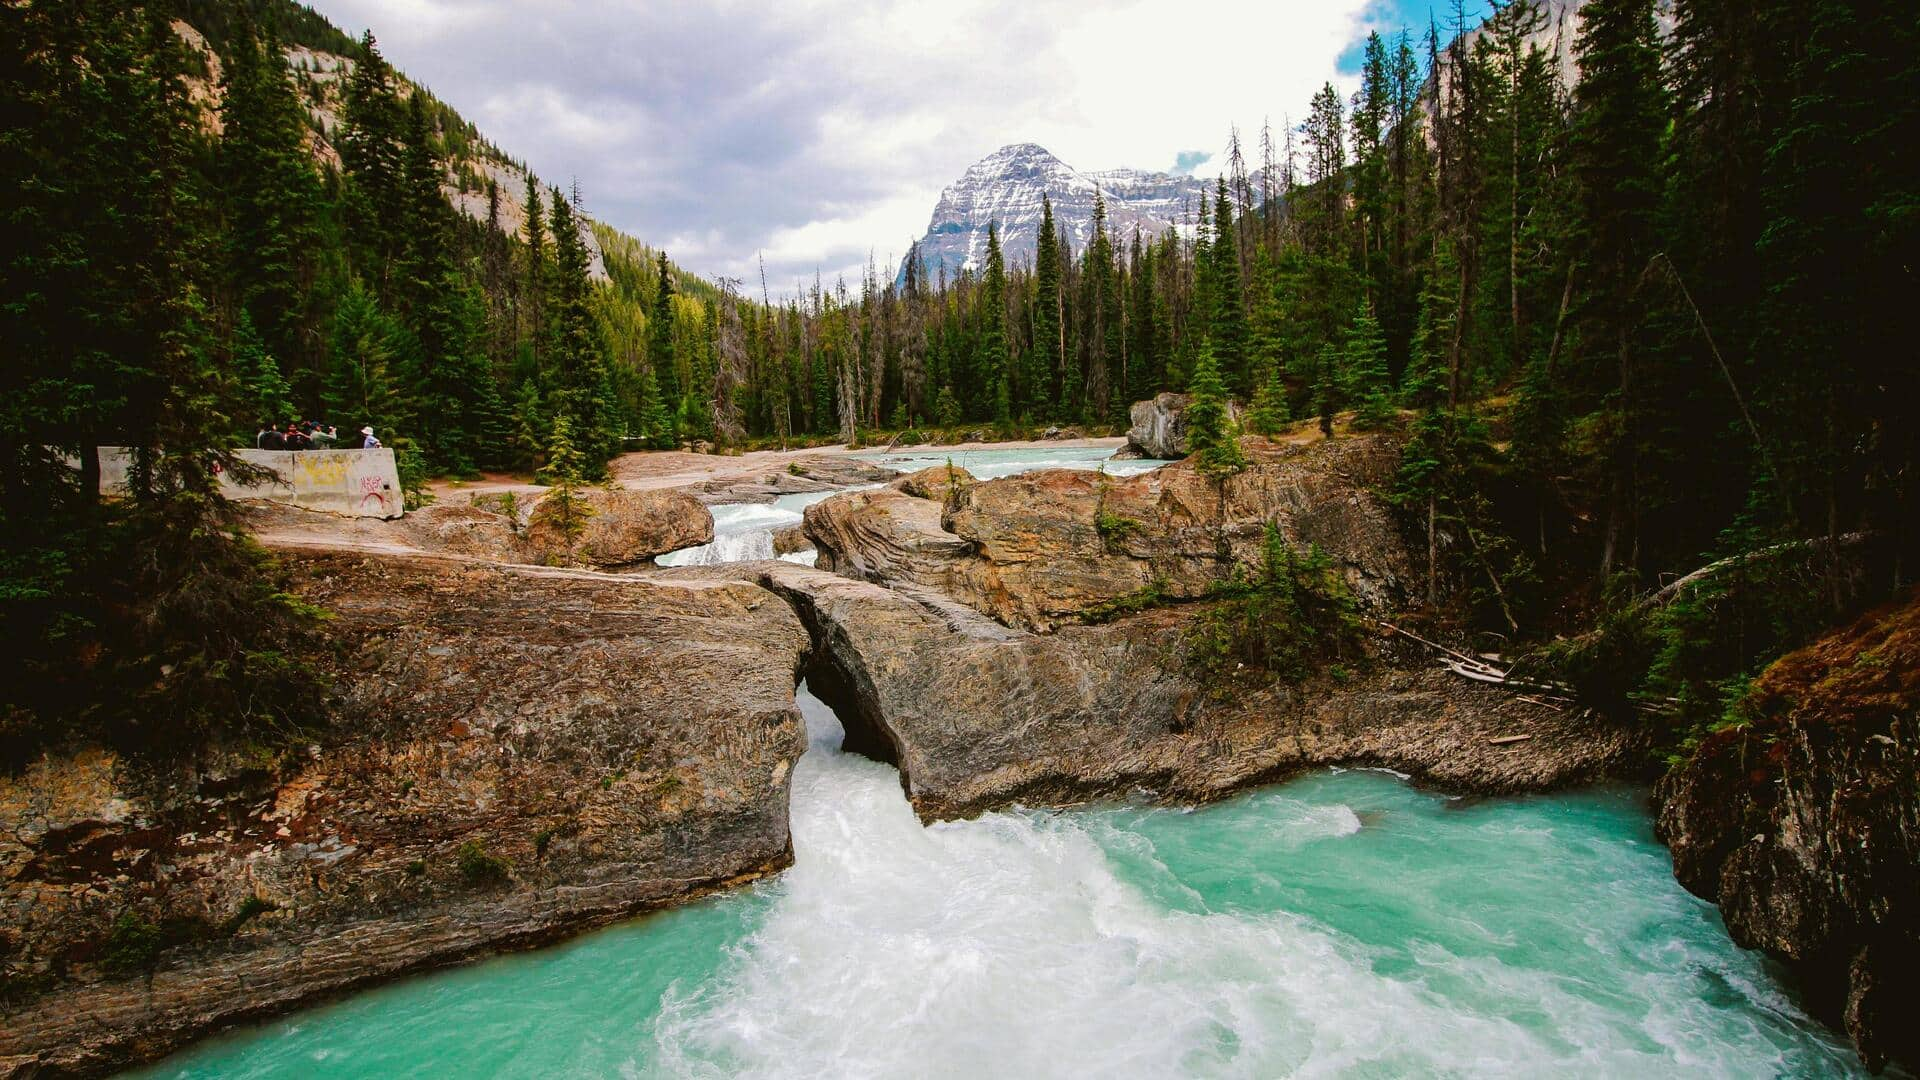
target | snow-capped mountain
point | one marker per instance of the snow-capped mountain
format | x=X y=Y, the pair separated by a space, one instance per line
x=1006 y=187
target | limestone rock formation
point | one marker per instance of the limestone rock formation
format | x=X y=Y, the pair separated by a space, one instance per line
x=941 y=483
x=1038 y=549
x=622 y=528
x=512 y=754
x=1804 y=826
x=789 y=539
x=978 y=716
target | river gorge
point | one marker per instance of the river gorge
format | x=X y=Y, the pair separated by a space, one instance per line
x=1343 y=922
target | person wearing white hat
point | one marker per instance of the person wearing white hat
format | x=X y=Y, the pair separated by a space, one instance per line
x=369 y=443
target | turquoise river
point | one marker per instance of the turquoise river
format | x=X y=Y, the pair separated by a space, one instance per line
x=1343 y=924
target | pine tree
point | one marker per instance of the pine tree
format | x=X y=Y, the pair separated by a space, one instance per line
x=1045 y=358
x=582 y=383
x=1615 y=149
x=267 y=397
x=371 y=154
x=271 y=196
x=946 y=408
x=1211 y=439
x=531 y=426
x=1324 y=206
x=1229 y=337
x=660 y=353
x=533 y=290
x=993 y=335
x=361 y=385
x=565 y=470
x=1101 y=342
x=1146 y=351
x=1329 y=386
x=656 y=428
x=1364 y=370
x=1268 y=414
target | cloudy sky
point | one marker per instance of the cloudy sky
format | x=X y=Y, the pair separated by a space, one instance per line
x=815 y=131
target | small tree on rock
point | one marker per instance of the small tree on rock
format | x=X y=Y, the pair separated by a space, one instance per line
x=565 y=470
x=1211 y=439
x=1268 y=414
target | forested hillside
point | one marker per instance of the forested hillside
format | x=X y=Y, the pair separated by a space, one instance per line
x=227 y=214
x=1630 y=325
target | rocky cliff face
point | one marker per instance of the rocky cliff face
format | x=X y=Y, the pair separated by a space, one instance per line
x=1006 y=187
x=979 y=717
x=1037 y=550
x=512 y=754
x=1804 y=826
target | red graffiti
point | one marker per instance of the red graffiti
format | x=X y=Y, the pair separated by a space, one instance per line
x=371 y=488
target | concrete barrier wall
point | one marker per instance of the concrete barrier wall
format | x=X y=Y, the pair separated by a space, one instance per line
x=356 y=483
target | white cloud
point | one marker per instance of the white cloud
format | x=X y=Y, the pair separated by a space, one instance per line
x=814 y=131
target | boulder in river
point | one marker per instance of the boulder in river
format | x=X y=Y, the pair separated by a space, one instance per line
x=621 y=528
x=1159 y=426
x=941 y=483
x=512 y=754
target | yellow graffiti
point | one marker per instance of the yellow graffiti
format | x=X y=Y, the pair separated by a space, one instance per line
x=316 y=471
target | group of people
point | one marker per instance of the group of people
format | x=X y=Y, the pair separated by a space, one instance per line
x=310 y=435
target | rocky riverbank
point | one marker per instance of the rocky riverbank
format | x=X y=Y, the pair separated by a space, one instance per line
x=512 y=754
x=1803 y=824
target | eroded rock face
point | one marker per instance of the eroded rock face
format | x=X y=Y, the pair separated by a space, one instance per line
x=623 y=743
x=979 y=716
x=1038 y=549
x=622 y=528
x=1804 y=826
x=1159 y=426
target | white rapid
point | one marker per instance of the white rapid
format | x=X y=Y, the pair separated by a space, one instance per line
x=744 y=531
x=1026 y=944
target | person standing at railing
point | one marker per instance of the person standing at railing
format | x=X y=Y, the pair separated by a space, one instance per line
x=368 y=440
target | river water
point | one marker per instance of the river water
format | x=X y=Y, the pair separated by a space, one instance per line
x=744 y=531
x=1343 y=924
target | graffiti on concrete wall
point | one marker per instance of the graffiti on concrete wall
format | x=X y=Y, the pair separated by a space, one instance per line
x=358 y=483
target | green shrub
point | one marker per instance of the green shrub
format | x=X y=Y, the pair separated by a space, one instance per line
x=480 y=868
x=1151 y=595
x=1113 y=528
x=132 y=945
x=250 y=907
x=1295 y=614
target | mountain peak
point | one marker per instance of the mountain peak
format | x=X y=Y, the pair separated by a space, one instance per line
x=1006 y=187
